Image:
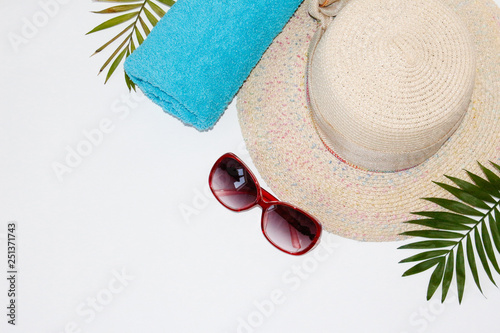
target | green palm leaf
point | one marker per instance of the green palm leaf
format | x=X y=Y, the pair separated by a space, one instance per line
x=118 y=9
x=133 y=34
x=448 y=275
x=455 y=206
x=114 y=21
x=434 y=244
x=464 y=196
x=439 y=224
x=433 y=234
x=169 y=3
x=157 y=9
x=114 y=38
x=468 y=230
x=472 y=189
x=492 y=177
x=472 y=262
x=484 y=184
x=460 y=272
x=436 y=278
x=144 y=26
x=447 y=216
x=495 y=165
x=115 y=53
x=425 y=255
x=150 y=17
x=482 y=255
x=115 y=64
x=423 y=266
x=495 y=233
x=488 y=247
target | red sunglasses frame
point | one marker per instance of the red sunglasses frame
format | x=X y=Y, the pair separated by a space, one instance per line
x=265 y=200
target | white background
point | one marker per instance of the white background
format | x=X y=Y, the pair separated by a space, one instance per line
x=120 y=211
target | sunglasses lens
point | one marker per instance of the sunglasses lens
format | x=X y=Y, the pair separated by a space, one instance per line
x=289 y=229
x=233 y=185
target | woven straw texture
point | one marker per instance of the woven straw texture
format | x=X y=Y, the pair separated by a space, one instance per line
x=280 y=135
x=387 y=89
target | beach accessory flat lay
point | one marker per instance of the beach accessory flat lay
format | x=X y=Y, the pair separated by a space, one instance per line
x=287 y=227
x=199 y=54
x=359 y=105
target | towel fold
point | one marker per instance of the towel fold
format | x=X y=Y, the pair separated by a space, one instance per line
x=200 y=53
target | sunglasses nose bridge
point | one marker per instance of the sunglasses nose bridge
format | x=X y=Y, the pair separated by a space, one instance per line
x=267 y=197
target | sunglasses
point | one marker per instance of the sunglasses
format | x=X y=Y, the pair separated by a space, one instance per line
x=287 y=227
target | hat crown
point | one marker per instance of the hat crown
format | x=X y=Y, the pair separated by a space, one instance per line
x=390 y=81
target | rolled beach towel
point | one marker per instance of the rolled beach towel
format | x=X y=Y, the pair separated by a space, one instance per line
x=200 y=53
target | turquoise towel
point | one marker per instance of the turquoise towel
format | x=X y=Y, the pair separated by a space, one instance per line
x=200 y=53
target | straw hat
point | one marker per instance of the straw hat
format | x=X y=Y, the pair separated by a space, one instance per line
x=400 y=93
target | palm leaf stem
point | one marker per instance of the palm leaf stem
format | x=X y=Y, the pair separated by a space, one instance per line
x=481 y=220
x=135 y=23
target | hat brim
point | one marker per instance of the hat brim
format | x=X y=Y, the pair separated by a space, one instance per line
x=370 y=206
